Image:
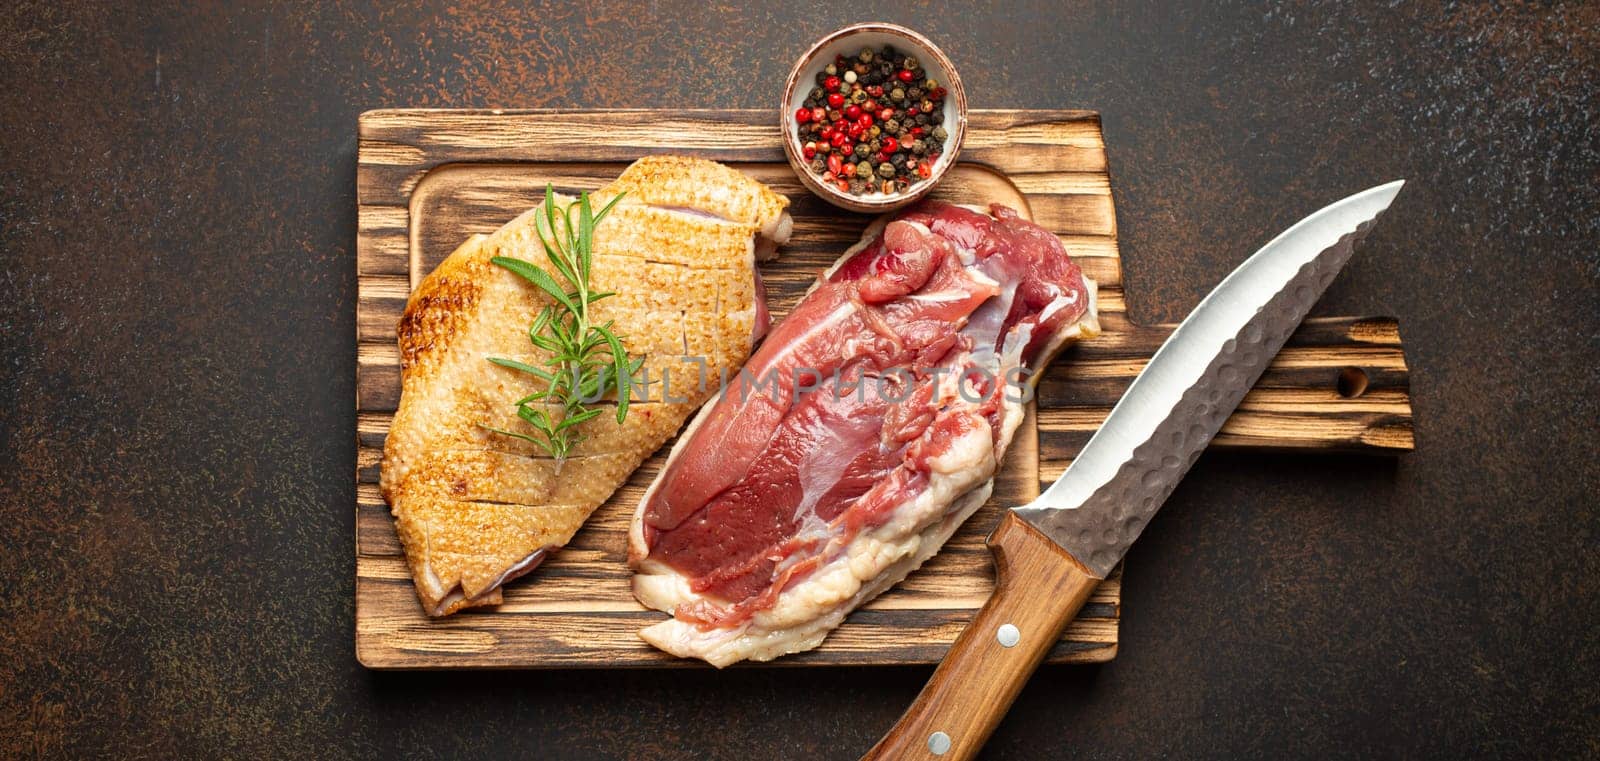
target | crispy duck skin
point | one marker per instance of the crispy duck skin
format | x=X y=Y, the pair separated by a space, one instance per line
x=779 y=512
x=475 y=509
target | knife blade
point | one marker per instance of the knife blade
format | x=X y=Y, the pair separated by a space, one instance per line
x=1050 y=554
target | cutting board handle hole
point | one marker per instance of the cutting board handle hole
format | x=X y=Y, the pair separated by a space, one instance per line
x=1352 y=382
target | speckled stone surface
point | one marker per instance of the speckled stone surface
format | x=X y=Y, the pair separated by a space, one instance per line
x=176 y=252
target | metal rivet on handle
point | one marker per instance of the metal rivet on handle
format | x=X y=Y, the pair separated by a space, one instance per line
x=1008 y=635
x=938 y=743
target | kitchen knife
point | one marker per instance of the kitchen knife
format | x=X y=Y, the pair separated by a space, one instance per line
x=1050 y=554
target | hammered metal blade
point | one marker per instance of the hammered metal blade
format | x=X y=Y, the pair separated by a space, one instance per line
x=1194 y=382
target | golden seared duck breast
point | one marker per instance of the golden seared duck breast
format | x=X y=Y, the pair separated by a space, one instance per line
x=477 y=500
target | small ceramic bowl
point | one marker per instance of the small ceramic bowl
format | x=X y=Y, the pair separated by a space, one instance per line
x=848 y=42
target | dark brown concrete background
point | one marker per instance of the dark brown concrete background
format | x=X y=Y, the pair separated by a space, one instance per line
x=177 y=232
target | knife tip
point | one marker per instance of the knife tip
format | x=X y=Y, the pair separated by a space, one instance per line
x=1383 y=194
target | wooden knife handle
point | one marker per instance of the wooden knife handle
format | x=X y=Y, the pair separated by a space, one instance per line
x=1039 y=588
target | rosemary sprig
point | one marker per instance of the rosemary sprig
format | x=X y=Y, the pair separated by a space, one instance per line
x=586 y=360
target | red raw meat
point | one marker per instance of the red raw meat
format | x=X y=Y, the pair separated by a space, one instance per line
x=862 y=432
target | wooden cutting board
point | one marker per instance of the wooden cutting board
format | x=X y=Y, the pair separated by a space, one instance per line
x=427 y=179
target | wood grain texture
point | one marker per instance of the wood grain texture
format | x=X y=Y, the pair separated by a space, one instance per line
x=427 y=179
x=1039 y=587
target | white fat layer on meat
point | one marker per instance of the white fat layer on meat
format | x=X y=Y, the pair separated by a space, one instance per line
x=768 y=239
x=456 y=594
x=1087 y=326
x=436 y=585
x=818 y=473
x=876 y=559
x=699 y=213
x=985 y=323
x=523 y=566
x=938 y=297
x=957 y=294
x=867 y=237
x=960 y=481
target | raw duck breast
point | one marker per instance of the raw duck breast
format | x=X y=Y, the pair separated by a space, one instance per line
x=476 y=509
x=860 y=435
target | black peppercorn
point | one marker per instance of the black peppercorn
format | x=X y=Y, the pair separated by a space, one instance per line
x=879 y=154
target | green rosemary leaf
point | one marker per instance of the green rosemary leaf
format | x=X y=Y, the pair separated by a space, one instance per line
x=551 y=238
x=585 y=236
x=593 y=386
x=596 y=339
x=513 y=434
x=586 y=361
x=547 y=343
x=534 y=416
x=550 y=211
x=576 y=419
x=523 y=366
x=539 y=322
x=604 y=210
x=539 y=278
x=624 y=379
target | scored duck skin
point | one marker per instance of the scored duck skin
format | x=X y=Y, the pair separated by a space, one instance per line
x=475 y=509
x=862 y=433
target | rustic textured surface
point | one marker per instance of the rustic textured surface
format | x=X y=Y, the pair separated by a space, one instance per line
x=177 y=243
